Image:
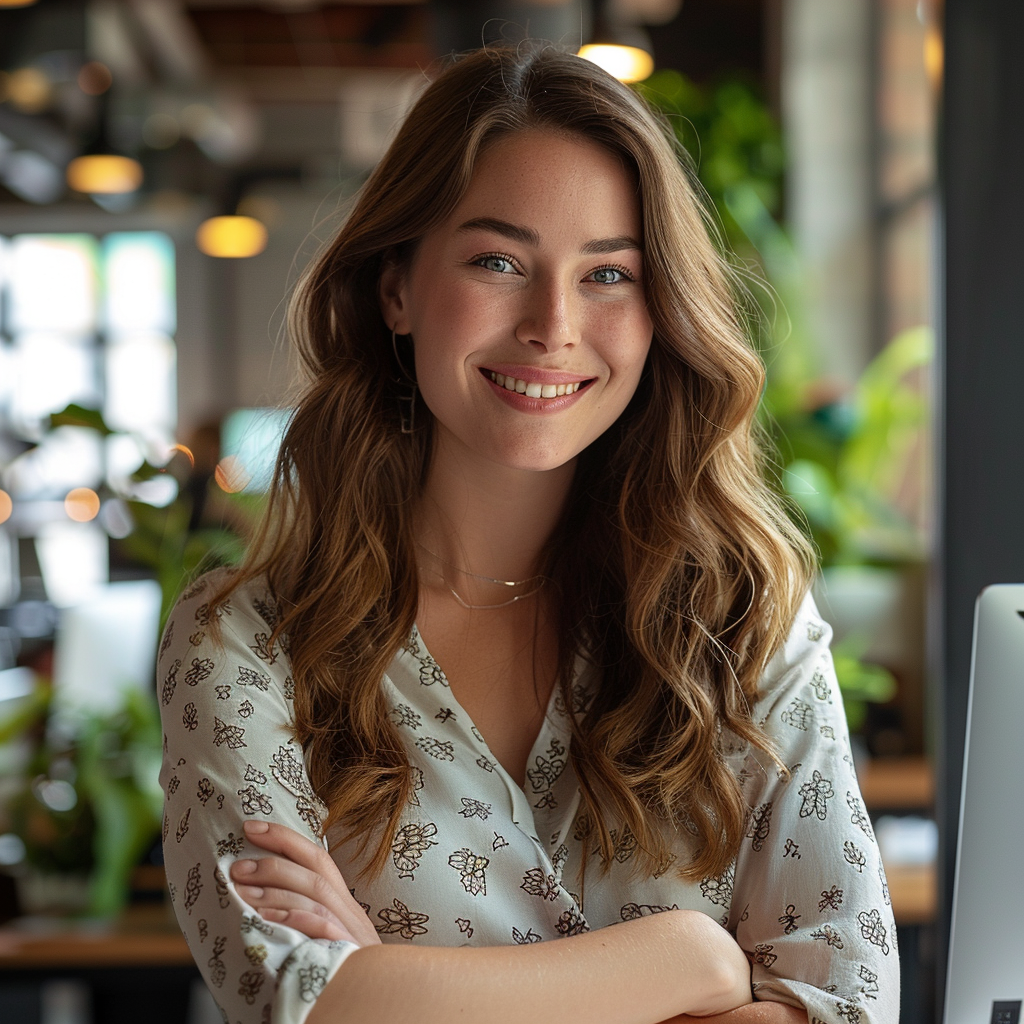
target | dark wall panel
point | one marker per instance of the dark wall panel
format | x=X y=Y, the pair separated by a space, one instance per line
x=982 y=435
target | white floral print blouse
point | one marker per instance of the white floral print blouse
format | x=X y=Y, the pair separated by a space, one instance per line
x=478 y=860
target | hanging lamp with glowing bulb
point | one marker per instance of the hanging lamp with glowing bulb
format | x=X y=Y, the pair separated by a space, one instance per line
x=231 y=237
x=101 y=170
x=624 y=51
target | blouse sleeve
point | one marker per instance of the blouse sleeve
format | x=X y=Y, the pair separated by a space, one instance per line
x=813 y=906
x=229 y=754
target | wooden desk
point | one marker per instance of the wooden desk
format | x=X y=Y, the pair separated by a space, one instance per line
x=144 y=936
x=904 y=784
x=898 y=784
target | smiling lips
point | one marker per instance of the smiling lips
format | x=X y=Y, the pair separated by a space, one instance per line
x=535 y=389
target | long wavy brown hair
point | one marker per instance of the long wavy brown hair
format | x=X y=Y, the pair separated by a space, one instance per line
x=679 y=572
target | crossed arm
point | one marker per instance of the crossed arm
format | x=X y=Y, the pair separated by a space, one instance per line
x=674 y=967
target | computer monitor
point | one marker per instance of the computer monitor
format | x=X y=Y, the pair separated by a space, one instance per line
x=253 y=437
x=985 y=976
x=105 y=645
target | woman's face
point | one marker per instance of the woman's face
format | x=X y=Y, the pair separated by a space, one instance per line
x=526 y=306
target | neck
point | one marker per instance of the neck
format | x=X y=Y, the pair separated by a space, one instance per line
x=488 y=519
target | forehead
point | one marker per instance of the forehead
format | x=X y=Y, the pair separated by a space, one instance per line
x=539 y=178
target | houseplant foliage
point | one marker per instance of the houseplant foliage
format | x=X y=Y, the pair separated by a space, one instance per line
x=89 y=802
x=86 y=801
x=839 y=460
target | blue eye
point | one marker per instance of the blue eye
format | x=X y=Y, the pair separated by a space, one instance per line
x=497 y=264
x=609 y=275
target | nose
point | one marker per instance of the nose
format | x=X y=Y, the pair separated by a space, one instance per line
x=548 y=319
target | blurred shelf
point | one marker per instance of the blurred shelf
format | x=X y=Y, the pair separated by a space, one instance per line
x=144 y=936
x=912 y=889
x=898 y=784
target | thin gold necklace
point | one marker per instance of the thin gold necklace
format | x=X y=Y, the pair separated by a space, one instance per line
x=541 y=580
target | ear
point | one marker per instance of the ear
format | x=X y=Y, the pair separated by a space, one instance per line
x=392 y=294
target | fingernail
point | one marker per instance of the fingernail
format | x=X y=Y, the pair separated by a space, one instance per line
x=250 y=892
x=243 y=867
x=273 y=915
x=255 y=827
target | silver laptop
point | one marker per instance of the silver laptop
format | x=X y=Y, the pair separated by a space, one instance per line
x=985 y=979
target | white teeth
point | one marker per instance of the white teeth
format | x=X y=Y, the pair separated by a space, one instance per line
x=533 y=389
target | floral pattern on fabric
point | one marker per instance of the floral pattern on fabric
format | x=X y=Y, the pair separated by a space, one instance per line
x=478 y=860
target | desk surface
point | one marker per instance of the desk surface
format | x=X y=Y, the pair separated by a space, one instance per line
x=898 y=784
x=144 y=936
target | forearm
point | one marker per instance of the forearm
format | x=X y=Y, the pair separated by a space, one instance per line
x=634 y=973
x=753 y=1013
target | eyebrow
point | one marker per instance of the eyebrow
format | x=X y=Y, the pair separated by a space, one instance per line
x=527 y=236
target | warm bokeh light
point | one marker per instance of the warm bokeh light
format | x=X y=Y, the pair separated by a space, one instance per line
x=104 y=174
x=231 y=237
x=94 y=78
x=82 y=504
x=231 y=475
x=626 y=63
x=6 y=506
x=29 y=90
x=933 y=55
x=186 y=451
x=16 y=3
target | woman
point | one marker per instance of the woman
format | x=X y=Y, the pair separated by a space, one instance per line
x=525 y=635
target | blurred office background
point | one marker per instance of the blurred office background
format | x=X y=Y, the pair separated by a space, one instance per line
x=167 y=167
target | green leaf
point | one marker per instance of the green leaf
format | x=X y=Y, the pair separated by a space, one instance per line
x=75 y=415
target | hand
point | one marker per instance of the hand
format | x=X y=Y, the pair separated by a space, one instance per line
x=300 y=886
x=722 y=959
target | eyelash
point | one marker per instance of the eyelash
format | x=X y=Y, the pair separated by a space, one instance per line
x=479 y=260
x=616 y=267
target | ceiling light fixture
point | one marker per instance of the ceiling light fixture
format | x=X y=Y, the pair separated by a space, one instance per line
x=104 y=174
x=100 y=170
x=624 y=51
x=231 y=237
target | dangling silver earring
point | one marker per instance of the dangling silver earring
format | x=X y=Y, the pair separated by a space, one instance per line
x=407 y=392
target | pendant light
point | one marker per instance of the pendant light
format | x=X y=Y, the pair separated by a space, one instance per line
x=624 y=51
x=101 y=170
x=231 y=236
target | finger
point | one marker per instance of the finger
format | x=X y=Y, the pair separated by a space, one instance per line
x=312 y=891
x=308 y=886
x=276 y=838
x=261 y=898
x=311 y=925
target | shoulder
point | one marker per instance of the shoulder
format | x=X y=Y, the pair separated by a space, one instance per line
x=212 y=600
x=802 y=660
x=217 y=633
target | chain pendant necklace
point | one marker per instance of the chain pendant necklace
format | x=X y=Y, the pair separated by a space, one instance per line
x=541 y=580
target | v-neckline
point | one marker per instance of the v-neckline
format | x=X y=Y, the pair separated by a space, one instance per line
x=540 y=742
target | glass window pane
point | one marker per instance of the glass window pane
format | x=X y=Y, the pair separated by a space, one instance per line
x=141 y=385
x=140 y=282
x=49 y=372
x=5 y=246
x=66 y=457
x=53 y=283
x=6 y=379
